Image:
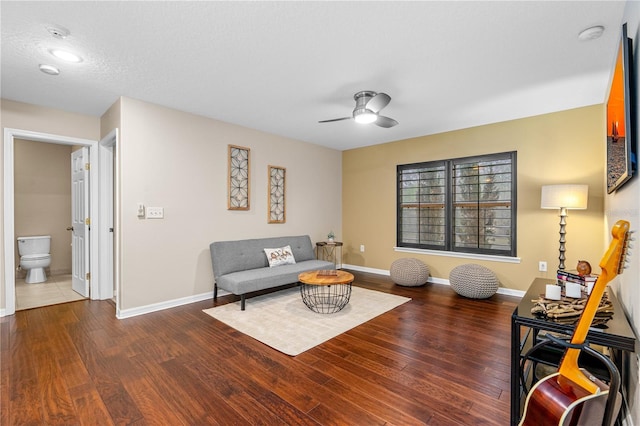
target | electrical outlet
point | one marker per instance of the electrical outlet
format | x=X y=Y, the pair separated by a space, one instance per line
x=155 y=212
x=542 y=266
x=361 y=248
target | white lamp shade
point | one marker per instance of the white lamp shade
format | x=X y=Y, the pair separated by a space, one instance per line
x=567 y=196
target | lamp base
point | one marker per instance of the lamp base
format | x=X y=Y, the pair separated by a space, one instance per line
x=563 y=224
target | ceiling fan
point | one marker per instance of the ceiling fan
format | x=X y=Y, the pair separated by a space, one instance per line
x=368 y=104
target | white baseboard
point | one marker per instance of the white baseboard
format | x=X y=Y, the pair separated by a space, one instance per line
x=511 y=292
x=434 y=280
x=128 y=313
x=365 y=269
x=154 y=307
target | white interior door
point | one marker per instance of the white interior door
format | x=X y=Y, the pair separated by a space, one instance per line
x=80 y=220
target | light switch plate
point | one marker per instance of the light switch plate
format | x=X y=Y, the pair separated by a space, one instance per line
x=155 y=212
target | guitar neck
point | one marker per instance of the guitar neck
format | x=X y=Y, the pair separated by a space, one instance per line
x=569 y=366
x=611 y=265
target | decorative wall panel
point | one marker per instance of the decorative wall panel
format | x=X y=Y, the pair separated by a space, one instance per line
x=277 y=194
x=238 y=194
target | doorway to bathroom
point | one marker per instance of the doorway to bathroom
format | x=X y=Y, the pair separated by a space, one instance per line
x=50 y=194
x=103 y=247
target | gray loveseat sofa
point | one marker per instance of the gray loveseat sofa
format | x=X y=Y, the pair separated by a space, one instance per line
x=241 y=266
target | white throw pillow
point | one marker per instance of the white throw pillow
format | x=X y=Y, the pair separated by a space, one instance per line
x=279 y=256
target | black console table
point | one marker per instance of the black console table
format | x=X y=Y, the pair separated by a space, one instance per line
x=525 y=326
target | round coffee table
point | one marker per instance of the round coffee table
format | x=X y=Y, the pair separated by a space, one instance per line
x=325 y=292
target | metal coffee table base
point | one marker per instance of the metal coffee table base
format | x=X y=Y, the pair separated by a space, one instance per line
x=325 y=299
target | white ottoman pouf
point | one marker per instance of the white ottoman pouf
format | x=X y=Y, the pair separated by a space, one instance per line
x=473 y=281
x=409 y=272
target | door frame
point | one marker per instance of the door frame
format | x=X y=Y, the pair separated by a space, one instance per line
x=108 y=196
x=9 y=202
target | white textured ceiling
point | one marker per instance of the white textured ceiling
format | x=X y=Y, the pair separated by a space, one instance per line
x=280 y=67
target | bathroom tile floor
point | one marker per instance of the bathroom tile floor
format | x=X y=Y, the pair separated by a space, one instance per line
x=57 y=289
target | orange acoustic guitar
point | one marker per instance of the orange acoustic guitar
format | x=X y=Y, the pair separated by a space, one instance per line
x=560 y=399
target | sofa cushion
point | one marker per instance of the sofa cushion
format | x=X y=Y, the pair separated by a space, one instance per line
x=241 y=255
x=279 y=256
x=241 y=282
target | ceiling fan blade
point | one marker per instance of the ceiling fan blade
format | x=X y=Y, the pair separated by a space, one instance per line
x=378 y=102
x=385 y=122
x=335 y=119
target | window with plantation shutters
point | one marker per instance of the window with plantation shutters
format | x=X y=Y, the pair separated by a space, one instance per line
x=461 y=205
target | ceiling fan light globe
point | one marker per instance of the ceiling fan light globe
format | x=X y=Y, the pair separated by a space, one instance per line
x=364 y=117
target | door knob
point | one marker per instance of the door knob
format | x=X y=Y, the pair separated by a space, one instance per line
x=70 y=228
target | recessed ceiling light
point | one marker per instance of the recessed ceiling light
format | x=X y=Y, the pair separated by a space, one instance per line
x=65 y=55
x=49 y=69
x=591 y=33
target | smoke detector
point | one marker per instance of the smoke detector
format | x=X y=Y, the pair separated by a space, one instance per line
x=591 y=33
x=58 y=31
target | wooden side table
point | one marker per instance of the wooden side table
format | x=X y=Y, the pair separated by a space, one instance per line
x=330 y=251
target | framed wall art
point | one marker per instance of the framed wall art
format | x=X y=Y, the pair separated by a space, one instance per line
x=276 y=179
x=621 y=118
x=238 y=178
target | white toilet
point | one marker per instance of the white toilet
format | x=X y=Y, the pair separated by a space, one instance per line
x=34 y=257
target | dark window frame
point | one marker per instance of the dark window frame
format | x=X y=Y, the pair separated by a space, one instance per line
x=431 y=186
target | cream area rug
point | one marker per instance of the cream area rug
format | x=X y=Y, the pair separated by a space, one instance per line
x=282 y=321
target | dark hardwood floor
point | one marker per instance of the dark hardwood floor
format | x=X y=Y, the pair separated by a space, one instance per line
x=440 y=360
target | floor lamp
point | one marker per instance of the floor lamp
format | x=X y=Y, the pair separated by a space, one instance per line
x=564 y=197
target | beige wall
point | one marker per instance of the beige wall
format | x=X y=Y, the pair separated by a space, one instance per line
x=564 y=147
x=42 y=194
x=178 y=161
x=17 y=115
x=111 y=119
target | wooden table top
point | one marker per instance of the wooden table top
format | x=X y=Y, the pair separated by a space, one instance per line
x=327 y=243
x=313 y=278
